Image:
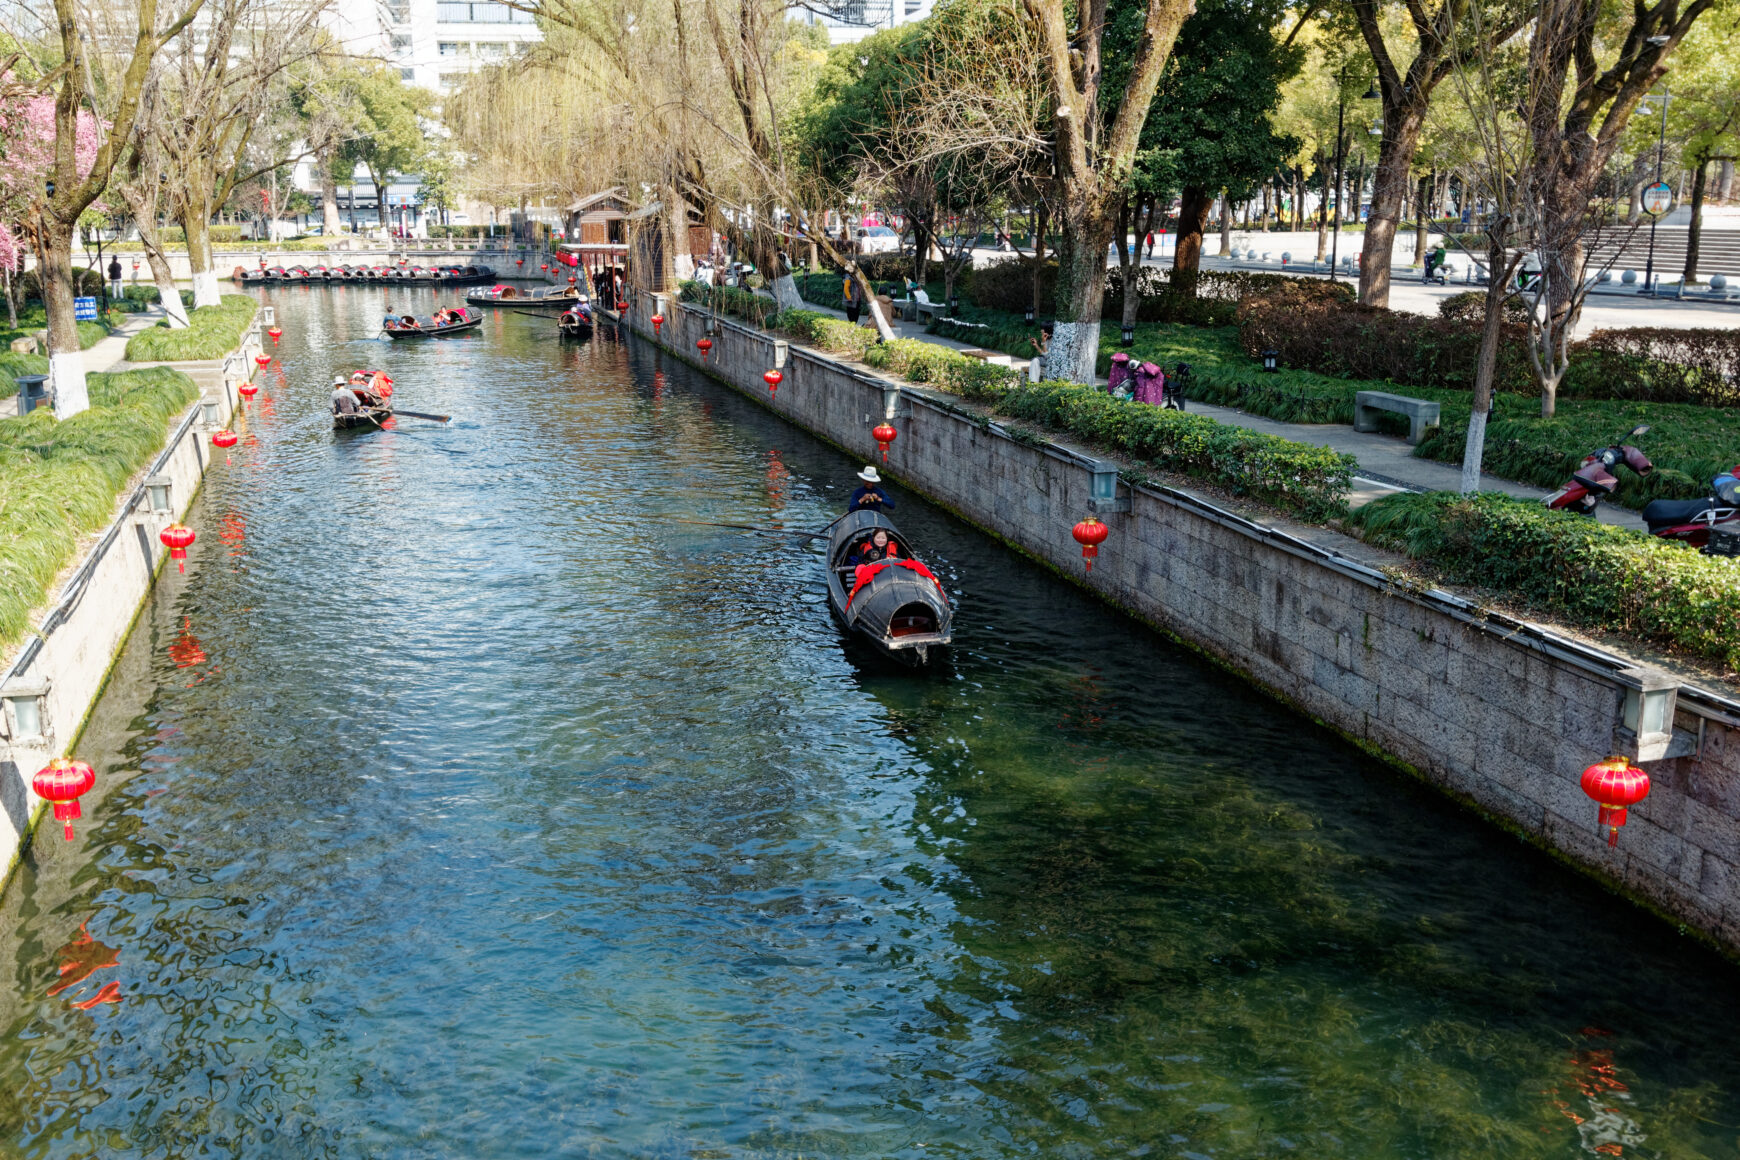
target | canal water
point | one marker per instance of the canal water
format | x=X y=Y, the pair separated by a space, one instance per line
x=462 y=800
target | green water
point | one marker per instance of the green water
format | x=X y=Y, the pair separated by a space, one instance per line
x=459 y=802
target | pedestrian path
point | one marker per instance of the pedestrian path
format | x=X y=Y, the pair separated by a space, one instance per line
x=1386 y=462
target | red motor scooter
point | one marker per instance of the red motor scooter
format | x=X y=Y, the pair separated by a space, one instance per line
x=1594 y=477
x=1691 y=521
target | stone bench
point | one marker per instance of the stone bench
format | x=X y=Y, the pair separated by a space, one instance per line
x=1421 y=413
x=929 y=310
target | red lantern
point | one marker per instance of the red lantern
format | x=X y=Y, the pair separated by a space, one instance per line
x=261 y=359
x=572 y=280
x=224 y=439
x=545 y=267
x=1090 y=534
x=275 y=333
x=519 y=261
x=63 y=782
x=658 y=320
x=248 y=390
x=177 y=538
x=704 y=345
x=772 y=379
x=1616 y=785
x=884 y=434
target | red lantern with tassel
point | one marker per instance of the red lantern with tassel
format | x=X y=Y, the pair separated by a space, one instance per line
x=703 y=345
x=545 y=267
x=247 y=390
x=63 y=782
x=520 y=262
x=1616 y=785
x=658 y=320
x=772 y=379
x=276 y=334
x=262 y=359
x=884 y=434
x=1090 y=534
x=177 y=538
x=224 y=439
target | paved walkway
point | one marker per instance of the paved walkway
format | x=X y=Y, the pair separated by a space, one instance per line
x=1386 y=462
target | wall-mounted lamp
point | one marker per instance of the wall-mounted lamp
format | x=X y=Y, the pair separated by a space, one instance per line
x=24 y=710
x=209 y=413
x=158 y=489
x=1103 y=491
x=1646 y=731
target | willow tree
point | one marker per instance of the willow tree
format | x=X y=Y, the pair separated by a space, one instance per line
x=75 y=185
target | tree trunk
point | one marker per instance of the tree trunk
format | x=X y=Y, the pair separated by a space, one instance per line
x=11 y=300
x=66 y=359
x=1081 y=287
x=1192 y=222
x=1486 y=364
x=1225 y=224
x=1126 y=266
x=1041 y=219
x=329 y=222
x=144 y=210
x=1323 y=215
x=1695 y=231
x=196 y=224
x=1634 y=210
x=1725 y=179
x=1423 y=212
x=1389 y=198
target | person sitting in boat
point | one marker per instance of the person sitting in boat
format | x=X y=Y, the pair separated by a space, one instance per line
x=441 y=317
x=363 y=390
x=344 y=400
x=878 y=547
x=869 y=497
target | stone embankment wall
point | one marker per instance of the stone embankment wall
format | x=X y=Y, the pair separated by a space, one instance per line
x=69 y=659
x=225 y=261
x=1500 y=714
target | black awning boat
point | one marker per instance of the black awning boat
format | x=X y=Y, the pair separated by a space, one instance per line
x=428 y=328
x=895 y=604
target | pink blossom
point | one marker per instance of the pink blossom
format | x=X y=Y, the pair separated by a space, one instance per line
x=11 y=257
x=27 y=142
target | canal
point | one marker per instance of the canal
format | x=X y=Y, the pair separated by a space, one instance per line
x=462 y=800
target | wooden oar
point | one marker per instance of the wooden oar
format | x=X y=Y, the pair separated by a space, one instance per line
x=537 y=314
x=422 y=415
x=754 y=528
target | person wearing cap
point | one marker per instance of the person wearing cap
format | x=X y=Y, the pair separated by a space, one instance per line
x=344 y=400
x=869 y=497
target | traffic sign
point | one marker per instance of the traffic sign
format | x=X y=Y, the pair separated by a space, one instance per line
x=1657 y=198
x=84 y=309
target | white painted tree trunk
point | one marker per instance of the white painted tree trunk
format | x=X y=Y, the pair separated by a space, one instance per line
x=1074 y=348
x=205 y=288
x=785 y=292
x=66 y=382
x=1473 y=451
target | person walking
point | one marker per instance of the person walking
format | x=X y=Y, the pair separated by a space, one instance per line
x=854 y=299
x=115 y=289
x=1150 y=243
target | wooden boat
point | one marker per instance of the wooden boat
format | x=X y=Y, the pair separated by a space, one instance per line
x=371 y=418
x=575 y=323
x=895 y=606
x=426 y=328
x=537 y=298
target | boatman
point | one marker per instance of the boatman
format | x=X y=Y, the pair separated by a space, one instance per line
x=344 y=401
x=870 y=497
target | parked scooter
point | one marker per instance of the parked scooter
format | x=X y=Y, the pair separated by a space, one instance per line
x=1690 y=521
x=1594 y=477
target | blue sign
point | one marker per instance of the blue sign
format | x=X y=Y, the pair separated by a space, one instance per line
x=84 y=309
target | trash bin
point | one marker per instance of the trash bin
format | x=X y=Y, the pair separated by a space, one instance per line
x=32 y=392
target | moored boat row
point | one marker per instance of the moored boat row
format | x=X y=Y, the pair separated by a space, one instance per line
x=383 y=273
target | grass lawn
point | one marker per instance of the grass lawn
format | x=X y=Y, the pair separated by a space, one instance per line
x=212 y=332
x=33 y=318
x=1687 y=443
x=59 y=480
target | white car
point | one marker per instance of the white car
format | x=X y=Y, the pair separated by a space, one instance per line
x=878 y=240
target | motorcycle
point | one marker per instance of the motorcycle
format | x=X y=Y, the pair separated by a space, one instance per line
x=1694 y=522
x=1437 y=275
x=1594 y=477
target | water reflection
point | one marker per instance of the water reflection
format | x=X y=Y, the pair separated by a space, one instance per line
x=529 y=820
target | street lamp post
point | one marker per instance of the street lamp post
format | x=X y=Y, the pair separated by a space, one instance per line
x=1660 y=149
x=1340 y=124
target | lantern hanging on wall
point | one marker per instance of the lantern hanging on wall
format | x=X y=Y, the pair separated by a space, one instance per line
x=247 y=390
x=772 y=379
x=884 y=434
x=1090 y=534
x=1616 y=785
x=276 y=334
x=63 y=782
x=703 y=345
x=262 y=359
x=224 y=439
x=658 y=320
x=177 y=538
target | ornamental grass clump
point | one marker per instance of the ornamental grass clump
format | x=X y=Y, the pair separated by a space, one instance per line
x=1606 y=577
x=211 y=332
x=59 y=480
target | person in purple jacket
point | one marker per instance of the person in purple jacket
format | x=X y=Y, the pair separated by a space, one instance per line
x=1118 y=381
x=1150 y=384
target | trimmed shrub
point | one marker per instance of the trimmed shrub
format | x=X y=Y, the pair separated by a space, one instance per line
x=212 y=332
x=216 y=234
x=1609 y=578
x=1470 y=306
x=1658 y=364
x=1007 y=285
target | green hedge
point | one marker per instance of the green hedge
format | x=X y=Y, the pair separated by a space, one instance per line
x=218 y=234
x=1608 y=578
x=59 y=480
x=212 y=332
